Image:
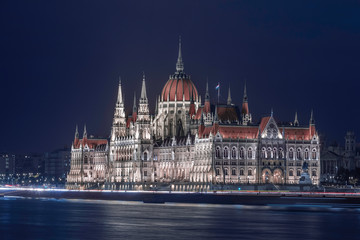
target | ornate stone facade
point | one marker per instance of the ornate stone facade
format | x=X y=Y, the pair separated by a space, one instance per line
x=191 y=145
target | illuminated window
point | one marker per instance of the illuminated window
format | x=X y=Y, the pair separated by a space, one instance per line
x=306 y=154
x=313 y=154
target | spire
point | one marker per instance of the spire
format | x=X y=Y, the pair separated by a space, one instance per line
x=85 y=132
x=202 y=118
x=229 y=97
x=216 y=117
x=207 y=96
x=272 y=112
x=143 y=89
x=156 y=106
x=296 y=121
x=120 y=96
x=179 y=63
x=134 y=105
x=245 y=99
x=312 y=121
x=76 y=132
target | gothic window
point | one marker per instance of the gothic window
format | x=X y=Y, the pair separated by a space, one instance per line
x=233 y=171
x=226 y=172
x=269 y=153
x=217 y=152
x=291 y=153
x=233 y=152
x=298 y=154
x=145 y=173
x=306 y=154
x=226 y=152
x=249 y=172
x=263 y=154
x=217 y=172
x=241 y=172
x=291 y=173
x=313 y=173
x=275 y=153
x=298 y=173
x=313 y=154
x=281 y=153
x=145 y=156
x=250 y=153
x=241 y=153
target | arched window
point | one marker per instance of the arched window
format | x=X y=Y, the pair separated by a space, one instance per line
x=275 y=154
x=298 y=173
x=217 y=172
x=263 y=154
x=241 y=153
x=313 y=154
x=249 y=172
x=313 y=173
x=233 y=171
x=233 y=152
x=226 y=152
x=291 y=154
x=291 y=173
x=269 y=153
x=298 y=154
x=306 y=154
x=226 y=171
x=145 y=156
x=217 y=152
x=281 y=153
x=250 y=155
x=241 y=171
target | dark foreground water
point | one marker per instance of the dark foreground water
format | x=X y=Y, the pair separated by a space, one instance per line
x=79 y=219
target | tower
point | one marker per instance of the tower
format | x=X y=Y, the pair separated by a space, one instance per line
x=229 y=97
x=296 y=121
x=143 y=115
x=119 y=122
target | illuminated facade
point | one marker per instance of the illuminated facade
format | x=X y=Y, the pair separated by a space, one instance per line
x=192 y=146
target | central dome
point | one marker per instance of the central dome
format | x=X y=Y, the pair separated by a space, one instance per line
x=180 y=88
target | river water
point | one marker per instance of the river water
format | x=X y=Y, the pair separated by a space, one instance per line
x=22 y=218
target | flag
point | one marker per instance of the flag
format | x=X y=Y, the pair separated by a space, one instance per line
x=217 y=86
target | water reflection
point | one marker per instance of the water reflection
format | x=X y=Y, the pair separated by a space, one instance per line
x=79 y=219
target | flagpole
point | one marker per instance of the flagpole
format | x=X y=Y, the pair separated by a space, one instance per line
x=218 y=92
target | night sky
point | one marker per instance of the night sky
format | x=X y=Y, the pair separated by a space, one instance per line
x=60 y=61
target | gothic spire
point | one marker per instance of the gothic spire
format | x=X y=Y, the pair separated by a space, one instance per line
x=296 y=121
x=216 y=117
x=207 y=96
x=120 y=96
x=245 y=99
x=143 y=95
x=76 y=132
x=134 y=105
x=179 y=63
x=85 y=132
x=229 y=97
x=156 y=106
x=312 y=121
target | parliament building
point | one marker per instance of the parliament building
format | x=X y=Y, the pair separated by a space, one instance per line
x=190 y=145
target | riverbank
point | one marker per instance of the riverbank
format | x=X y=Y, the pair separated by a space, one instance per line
x=214 y=197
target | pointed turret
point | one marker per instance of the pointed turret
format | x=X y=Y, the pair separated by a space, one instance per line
x=76 y=132
x=134 y=109
x=179 y=63
x=85 y=132
x=143 y=96
x=229 y=97
x=156 y=107
x=120 y=100
x=312 y=121
x=245 y=113
x=216 y=116
x=296 y=121
x=207 y=99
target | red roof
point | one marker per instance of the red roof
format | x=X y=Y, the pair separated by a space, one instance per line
x=92 y=143
x=233 y=132
x=182 y=88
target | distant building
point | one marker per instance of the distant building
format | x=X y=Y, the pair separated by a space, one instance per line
x=335 y=157
x=7 y=165
x=192 y=145
x=57 y=164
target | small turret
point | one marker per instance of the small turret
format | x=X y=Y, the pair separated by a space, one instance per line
x=296 y=121
x=229 y=97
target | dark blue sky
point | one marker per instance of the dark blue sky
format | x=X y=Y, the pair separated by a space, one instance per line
x=60 y=61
